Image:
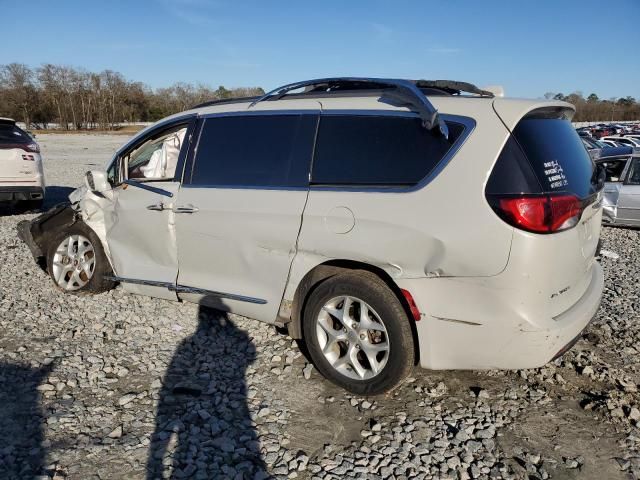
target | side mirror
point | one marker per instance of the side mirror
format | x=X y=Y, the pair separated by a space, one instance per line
x=96 y=181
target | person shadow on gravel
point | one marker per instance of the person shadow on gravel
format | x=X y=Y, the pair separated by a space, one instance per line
x=203 y=428
x=22 y=454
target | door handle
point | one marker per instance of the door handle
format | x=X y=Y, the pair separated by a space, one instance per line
x=185 y=209
x=158 y=207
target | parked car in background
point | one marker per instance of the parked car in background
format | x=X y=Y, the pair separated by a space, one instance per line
x=21 y=172
x=597 y=148
x=384 y=222
x=622 y=141
x=621 y=202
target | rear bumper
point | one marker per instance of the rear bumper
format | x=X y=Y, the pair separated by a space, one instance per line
x=475 y=325
x=21 y=192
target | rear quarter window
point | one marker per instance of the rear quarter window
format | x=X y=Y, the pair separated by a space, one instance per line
x=377 y=150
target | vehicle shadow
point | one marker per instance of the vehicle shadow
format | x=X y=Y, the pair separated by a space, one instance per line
x=203 y=428
x=22 y=455
x=56 y=194
x=53 y=195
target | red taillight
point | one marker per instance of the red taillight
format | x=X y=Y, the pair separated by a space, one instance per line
x=413 y=308
x=541 y=214
x=32 y=147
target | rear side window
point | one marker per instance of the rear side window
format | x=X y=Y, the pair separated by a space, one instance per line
x=255 y=151
x=544 y=155
x=377 y=150
x=11 y=134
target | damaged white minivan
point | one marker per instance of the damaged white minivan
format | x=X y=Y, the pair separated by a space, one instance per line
x=386 y=223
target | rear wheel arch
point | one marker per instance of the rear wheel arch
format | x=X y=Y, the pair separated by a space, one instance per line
x=329 y=269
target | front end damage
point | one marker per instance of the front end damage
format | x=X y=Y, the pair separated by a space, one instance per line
x=83 y=205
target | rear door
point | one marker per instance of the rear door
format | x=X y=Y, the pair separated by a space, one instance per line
x=629 y=200
x=239 y=211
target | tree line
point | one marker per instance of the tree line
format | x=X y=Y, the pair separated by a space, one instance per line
x=594 y=109
x=77 y=99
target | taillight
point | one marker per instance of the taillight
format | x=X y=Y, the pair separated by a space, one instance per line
x=539 y=213
x=32 y=147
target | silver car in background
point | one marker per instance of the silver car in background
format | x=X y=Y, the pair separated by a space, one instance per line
x=621 y=202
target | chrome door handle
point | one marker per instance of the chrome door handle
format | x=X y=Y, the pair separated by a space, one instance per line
x=158 y=207
x=185 y=209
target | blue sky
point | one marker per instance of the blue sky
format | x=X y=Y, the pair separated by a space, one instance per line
x=529 y=47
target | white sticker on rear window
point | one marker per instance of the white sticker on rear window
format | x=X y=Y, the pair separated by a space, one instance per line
x=555 y=174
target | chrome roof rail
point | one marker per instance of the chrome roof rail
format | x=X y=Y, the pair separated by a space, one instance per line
x=404 y=90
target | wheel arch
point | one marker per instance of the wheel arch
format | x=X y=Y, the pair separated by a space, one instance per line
x=328 y=269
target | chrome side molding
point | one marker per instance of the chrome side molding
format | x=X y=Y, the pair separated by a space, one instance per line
x=185 y=289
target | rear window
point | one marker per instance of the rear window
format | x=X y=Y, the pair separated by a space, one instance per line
x=255 y=151
x=10 y=134
x=557 y=155
x=544 y=155
x=377 y=150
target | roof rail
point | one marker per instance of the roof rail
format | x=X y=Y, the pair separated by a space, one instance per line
x=404 y=90
x=222 y=101
x=453 y=87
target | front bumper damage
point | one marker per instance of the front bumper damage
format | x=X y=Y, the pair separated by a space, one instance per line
x=36 y=233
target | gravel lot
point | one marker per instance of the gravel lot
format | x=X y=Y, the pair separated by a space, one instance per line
x=121 y=386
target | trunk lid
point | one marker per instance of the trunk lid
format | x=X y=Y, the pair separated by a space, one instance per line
x=545 y=161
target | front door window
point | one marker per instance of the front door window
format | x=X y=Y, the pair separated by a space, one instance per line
x=156 y=159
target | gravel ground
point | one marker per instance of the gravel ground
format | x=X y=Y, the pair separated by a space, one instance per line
x=122 y=386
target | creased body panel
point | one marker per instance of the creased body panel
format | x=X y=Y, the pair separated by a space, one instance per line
x=241 y=242
x=430 y=231
x=142 y=242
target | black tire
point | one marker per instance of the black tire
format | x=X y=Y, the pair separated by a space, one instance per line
x=97 y=283
x=370 y=289
x=32 y=205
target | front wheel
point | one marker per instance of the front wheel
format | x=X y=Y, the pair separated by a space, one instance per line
x=76 y=261
x=358 y=334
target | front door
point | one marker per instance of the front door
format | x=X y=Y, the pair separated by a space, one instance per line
x=240 y=209
x=140 y=229
x=629 y=199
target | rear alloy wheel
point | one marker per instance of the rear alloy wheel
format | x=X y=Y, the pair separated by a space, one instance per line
x=76 y=261
x=358 y=334
x=352 y=337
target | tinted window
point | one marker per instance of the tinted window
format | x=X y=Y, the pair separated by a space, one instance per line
x=377 y=150
x=11 y=134
x=512 y=173
x=557 y=155
x=261 y=150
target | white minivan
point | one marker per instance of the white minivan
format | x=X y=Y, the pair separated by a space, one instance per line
x=386 y=223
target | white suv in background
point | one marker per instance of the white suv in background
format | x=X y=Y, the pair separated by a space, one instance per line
x=384 y=222
x=21 y=173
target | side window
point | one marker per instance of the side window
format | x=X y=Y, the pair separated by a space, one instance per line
x=614 y=169
x=634 y=172
x=377 y=150
x=157 y=157
x=255 y=151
